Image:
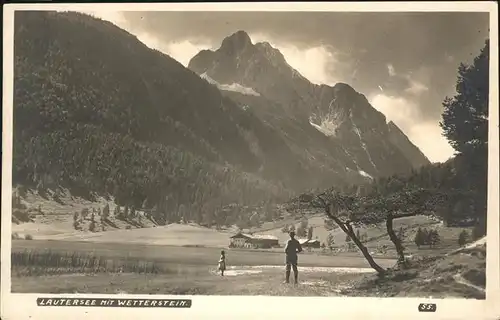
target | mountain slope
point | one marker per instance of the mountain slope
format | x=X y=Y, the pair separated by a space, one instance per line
x=97 y=111
x=400 y=140
x=355 y=134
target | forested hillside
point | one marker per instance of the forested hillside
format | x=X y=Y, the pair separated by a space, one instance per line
x=97 y=111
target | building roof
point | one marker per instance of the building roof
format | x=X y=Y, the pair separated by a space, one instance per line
x=264 y=236
x=254 y=236
x=242 y=235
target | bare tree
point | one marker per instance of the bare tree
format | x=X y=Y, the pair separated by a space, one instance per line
x=351 y=210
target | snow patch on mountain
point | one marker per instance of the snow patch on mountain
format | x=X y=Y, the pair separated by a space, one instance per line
x=361 y=172
x=365 y=174
x=206 y=77
x=327 y=127
x=235 y=87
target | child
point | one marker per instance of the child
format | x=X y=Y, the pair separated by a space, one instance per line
x=222 y=262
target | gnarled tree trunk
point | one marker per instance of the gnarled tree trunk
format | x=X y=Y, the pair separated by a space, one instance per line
x=363 y=249
x=347 y=228
x=395 y=239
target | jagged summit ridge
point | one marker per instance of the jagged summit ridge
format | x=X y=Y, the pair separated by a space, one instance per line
x=236 y=42
x=239 y=60
x=354 y=132
x=345 y=88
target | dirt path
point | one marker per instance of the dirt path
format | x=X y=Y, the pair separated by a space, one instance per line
x=459 y=279
x=202 y=281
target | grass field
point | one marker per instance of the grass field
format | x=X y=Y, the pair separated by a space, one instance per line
x=138 y=269
x=182 y=258
x=205 y=256
x=179 y=270
x=189 y=281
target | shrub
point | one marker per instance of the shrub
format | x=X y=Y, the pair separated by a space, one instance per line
x=116 y=211
x=310 y=232
x=463 y=238
x=28 y=237
x=479 y=230
x=302 y=229
x=85 y=213
x=16 y=202
x=57 y=197
x=15 y=220
x=420 y=237
x=330 y=241
x=105 y=211
x=433 y=238
x=15 y=236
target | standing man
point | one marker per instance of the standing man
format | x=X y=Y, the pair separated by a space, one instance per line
x=292 y=248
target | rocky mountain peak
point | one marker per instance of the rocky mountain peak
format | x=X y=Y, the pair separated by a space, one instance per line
x=344 y=88
x=353 y=130
x=272 y=54
x=237 y=42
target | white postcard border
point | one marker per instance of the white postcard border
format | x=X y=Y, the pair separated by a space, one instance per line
x=23 y=306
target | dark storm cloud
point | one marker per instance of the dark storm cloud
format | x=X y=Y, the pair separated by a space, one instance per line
x=423 y=48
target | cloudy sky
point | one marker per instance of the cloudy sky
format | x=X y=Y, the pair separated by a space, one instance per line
x=404 y=63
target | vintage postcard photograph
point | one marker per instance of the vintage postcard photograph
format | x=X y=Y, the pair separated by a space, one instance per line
x=315 y=160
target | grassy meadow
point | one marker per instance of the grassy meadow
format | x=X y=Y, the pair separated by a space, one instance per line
x=50 y=256
x=85 y=267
